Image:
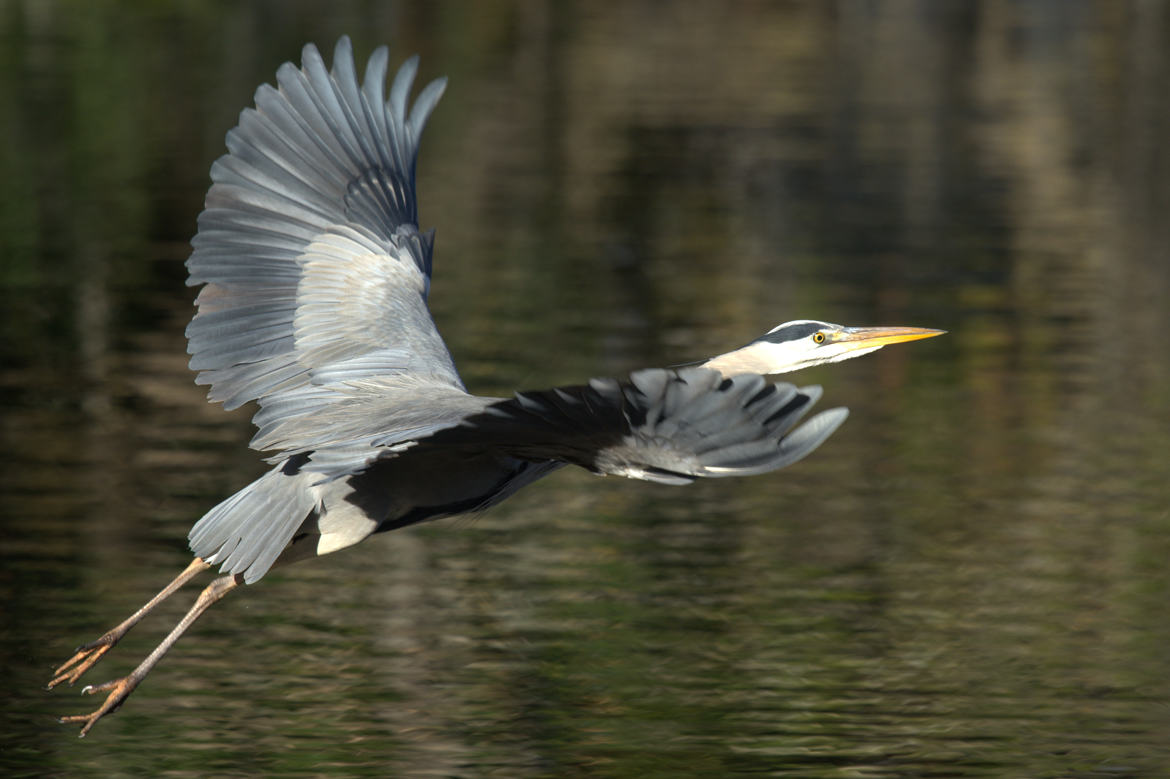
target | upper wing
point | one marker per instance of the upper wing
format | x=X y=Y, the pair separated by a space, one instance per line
x=315 y=272
x=669 y=426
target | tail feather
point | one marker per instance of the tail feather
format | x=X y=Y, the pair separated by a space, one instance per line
x=247 y=532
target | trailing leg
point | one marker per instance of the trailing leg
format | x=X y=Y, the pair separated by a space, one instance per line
x=120 y=689
x=88 y=654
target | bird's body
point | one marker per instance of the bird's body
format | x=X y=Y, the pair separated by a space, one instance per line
x=315 y=276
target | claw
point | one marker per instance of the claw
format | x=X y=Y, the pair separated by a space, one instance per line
x=86 y=657
x=120 y=689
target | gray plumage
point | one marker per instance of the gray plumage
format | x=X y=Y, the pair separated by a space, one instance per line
x=315 y=277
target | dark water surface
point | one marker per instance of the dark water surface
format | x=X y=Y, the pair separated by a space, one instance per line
x=969 y=579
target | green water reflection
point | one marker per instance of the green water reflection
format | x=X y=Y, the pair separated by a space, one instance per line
x=969 y=579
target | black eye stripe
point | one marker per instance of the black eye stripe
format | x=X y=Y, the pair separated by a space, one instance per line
x=791 y=332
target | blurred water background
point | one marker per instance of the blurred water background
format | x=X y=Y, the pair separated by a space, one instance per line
x=969 y=579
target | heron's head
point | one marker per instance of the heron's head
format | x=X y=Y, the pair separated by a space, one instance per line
x=807 y=342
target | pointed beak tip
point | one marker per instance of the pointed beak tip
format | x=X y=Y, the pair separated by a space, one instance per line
x=884 y=336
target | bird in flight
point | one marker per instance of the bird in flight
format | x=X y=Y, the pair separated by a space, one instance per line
x=315 y=275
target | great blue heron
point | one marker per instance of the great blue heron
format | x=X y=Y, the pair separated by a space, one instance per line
x=315 y=279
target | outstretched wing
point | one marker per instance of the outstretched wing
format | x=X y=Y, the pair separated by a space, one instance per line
x=668 y=426
x=315 y=273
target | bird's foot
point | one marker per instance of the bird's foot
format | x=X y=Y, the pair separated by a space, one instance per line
x=86 y=657
x=119 y=689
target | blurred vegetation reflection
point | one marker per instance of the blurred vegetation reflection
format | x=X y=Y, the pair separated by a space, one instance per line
x=969 y=579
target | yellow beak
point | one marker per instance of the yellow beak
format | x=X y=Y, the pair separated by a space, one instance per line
x=872 y=337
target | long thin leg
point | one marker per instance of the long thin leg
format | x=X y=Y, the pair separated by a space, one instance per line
x=88 y=654
x=120 y=689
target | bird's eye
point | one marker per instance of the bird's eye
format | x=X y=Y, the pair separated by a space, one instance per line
x=818 y=338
